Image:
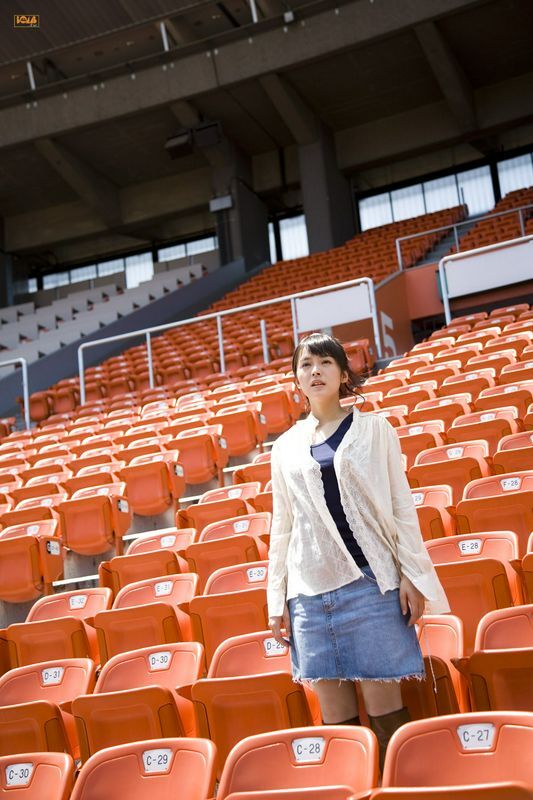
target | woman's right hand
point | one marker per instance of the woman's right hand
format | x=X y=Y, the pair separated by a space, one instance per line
x=277 y=624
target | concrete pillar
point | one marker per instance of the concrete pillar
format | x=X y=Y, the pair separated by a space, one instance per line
x=242 y=229
x=327 y=201
x=6 y=273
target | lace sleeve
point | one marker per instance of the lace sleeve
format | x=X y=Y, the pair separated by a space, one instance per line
x=279 y=539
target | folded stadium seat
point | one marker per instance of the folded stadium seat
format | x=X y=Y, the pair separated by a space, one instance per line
x=514 y=453
x=230 y=709
x=442 y=636
x=154 y=482
x=30 y=475
x=202 y=514
x=40 y=406
x=256 y=525
x=113 y=718
x=27 y=516
x=97 y=475
x=170 y=589
x=276 y=408
x=443 y=408
x=150 y=770
x=163 y=539
x=30 y=560
x=259 y=471
x=203 y=454
x=521 y=371
x=396 y=415
x=499 y=670
x=216 y=617
x=262 y=502
x=206 y=557
x=434 y=506
x=488 y=425
x=238 y=578
x=123 y=629
x=123 y=570
x=244 y=427
x=495 y=360
x=418 y=437
x=470 y=382
x=460 y=750
x=452 y=465
x=57 y=682
x=52 y=499
x=474 y=588
x=32 y=728
x=327 y=763
x=37 y=776
x=33 y=642
x=498 y=502
x=95 y=519
x=500 y=545
x=518 y=395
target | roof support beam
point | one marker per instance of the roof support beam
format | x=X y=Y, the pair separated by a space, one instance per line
x=94 y=189
x=449 y=75
x=296 y=114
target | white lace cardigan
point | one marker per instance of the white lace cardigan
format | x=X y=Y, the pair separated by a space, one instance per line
x=307 y=553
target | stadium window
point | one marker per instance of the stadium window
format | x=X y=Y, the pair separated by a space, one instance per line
x=83 y=274
x=139 y=268
x=375 y=211
x=32 y=285
x=272 y=243
x=408 y=202
x=110 y=267
x=475 y=189
x=515 y=173
x=55 y=280
x=441 y=193
x=172 y=252
x=203 y=245
x=293 y=234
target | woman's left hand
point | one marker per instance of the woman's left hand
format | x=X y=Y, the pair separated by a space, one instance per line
x=411 y=600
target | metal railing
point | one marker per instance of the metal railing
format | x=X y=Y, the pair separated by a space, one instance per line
x=455 y=225
x=25 y=390
x=219 y=316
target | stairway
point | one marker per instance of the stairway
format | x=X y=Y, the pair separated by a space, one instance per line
x=445 y=245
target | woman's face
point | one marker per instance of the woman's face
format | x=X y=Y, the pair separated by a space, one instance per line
x=319 y=377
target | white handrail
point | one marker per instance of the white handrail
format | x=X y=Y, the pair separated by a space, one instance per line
x=489 y=248
x=219 y=315
x=25 y=391
x=454 y=225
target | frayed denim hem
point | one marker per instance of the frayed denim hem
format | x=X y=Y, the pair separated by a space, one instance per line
x=419 y=676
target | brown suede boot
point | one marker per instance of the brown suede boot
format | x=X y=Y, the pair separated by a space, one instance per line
x=352 y=721
x=384 y=726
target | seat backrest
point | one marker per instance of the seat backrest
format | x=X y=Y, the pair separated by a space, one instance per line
x=120 y=630
x=32 y=728
x=505 y=628
x=483 y=791
x=501 y=545
x=37 y=776
x=218 y=616
x=499 y=485
x=238 y=578
x=123 y=570
x=257 y=524
x=477 y=450
x=302 y=758
x=229 y=709
x=249 y=654
x=78 y=604
x=55 y=681
x=205 y=557
x=105 y=720
x=150 y=770
x=242 y=491
x=170 y=589
x=461 y=749
x=164 y=539
x=33 y=642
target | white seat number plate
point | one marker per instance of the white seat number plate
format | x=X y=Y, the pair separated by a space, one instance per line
x=32 y=530
x=476 y=736
x=488 y=417
x=273 y=648
x=241 y=526
x=455 y=452
x=256 y=574
x=52 y=676
x=416 y=429
x=508 y=389
x=162 y=588
x=168 y=541
x=234 y=493
x=510 y=484
x=160 y=660
x=418 y=498
x=77 y=601
x=469 y=547
x=157 y=760
x=308 y=749
x=19 y=774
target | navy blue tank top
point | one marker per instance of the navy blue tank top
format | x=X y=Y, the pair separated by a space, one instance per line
x=324 y=453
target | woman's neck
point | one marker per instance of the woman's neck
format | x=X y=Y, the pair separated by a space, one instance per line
x=327 y=412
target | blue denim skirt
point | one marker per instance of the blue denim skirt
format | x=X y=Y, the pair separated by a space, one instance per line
x=353 y=633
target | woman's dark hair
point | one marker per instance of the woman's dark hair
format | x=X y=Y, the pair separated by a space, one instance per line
x=320 y=344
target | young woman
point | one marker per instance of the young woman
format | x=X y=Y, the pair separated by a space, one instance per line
x=349 y=574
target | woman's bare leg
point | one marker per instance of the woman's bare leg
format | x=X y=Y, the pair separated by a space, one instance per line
x=338 y=700
x=381 y=697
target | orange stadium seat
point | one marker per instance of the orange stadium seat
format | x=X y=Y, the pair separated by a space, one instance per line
x=238 y=578
x=514 y=453
x=205 y=513
x=121 y=570
x=33 y=642
x=327 y=760
x=163 y=539
x=203 y=455
x=37 y=776
x=489 y=425
x=216 y=617
x=434 y=506
x=95 y=519
x=498 y=502
x=442 y=635
x=417 y=437
x=170 y=589
x=154 y=482
x=259 y=471
x=29 y=562
x=518 y=395
x=123 y=629
x=175 y=665
x=113 y=718
x=454 y=465
x=32 y=728
x=206 y=557
x=256 y=525
x=446 y=409
x=150 y=770
x=230 y=709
